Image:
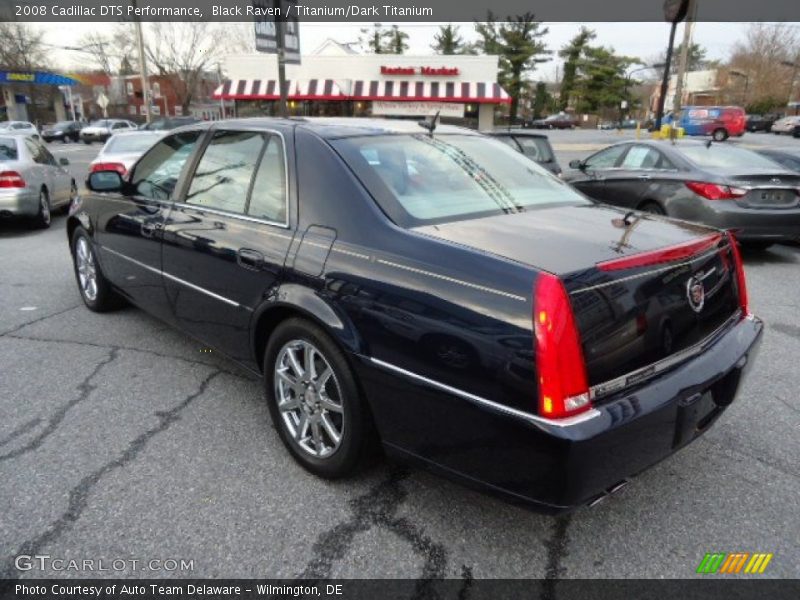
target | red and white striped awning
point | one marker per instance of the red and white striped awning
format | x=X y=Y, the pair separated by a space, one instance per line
x=267 y=89
x=478 y=92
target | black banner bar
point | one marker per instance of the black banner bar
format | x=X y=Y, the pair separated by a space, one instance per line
x=389 y=10
x=712 y=588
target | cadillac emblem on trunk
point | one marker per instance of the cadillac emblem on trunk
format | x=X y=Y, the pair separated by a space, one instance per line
x=695 y=293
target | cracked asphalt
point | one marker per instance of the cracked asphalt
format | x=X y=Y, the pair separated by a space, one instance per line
x=121 y=439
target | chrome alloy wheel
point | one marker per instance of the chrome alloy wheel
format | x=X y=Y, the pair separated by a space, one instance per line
x=309 y=398
x=87 y=272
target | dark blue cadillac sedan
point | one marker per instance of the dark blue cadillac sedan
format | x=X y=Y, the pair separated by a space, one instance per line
x=431 y=293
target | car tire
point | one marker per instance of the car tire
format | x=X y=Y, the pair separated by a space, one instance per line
x=796 y=132
x=96 y=291
x=44 y=216
x=308 y=412
x=87 y=142
x=720 y=135
x=652 y=207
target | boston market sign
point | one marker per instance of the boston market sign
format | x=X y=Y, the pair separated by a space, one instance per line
x=425 y=71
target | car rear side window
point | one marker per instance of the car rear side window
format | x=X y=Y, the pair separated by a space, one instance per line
x=223 y=175
x=268 y=198
x=8 y=149
x=422 y=179
x=642 y=157
x=535 y=148
x=157 y=173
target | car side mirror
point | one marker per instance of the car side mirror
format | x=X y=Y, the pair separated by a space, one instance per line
x=64 y=162
x=577 y=164
x=104 y=181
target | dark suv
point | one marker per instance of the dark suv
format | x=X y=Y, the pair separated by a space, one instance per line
x=535 y=146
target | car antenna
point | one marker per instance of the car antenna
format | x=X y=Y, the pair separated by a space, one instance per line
x=708 y=143
x=430 y=123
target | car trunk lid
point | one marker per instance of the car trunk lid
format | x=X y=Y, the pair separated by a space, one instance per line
x=768 y=189
x=642 y=288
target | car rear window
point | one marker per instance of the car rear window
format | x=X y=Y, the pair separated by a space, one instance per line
x=101 y=123
x=422 y=179
x=717 y=155
x=124 y=144
x=536 y=148
x=8 y=149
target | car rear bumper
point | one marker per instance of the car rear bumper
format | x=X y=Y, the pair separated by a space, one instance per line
x=756 y=224
x=549 y=466
x=18 y=202
x=95 y=137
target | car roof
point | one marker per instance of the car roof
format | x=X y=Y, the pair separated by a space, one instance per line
x=516 y=131
x=339 y=127
x=791 y=150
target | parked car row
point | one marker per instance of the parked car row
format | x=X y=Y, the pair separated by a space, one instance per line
x=96 y=131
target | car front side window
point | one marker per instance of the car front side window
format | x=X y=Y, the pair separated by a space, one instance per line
x=225 y=171
x=157 y=173
x=606 y=159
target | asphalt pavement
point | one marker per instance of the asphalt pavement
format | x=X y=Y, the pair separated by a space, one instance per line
x=121 y=439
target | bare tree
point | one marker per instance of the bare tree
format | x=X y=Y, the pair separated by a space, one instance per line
x=760 y=56
x=114 y=52
x=183 y=53
x=22 y=46
x=22 y=49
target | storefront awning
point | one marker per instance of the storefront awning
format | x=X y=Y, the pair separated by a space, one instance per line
x=478 y=92
x=267 y=89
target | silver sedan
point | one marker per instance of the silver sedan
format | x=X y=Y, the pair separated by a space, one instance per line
x=32 y=182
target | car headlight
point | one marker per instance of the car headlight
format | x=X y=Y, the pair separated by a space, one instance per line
x=57 y=132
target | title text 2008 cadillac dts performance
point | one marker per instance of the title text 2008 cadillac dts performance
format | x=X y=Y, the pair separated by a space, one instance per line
x=432 y=292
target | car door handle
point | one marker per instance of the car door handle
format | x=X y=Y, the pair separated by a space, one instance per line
x=249 y=259
x=644 y=177
x=148 y=229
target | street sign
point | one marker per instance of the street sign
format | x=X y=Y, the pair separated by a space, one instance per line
x=675 y=10
x=102 y=101
x=623 y=104
x=266 y=28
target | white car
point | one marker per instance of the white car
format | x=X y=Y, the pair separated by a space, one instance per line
x=19 y=127
x=101 y=130
x=790 y=125
x=123 y=150
x=32 y=182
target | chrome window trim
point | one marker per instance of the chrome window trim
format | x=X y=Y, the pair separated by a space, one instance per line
x=177 y=279
x=495 y=406
x=241 y=216
x=649 y=371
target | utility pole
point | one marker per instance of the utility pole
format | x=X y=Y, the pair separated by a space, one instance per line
x=283 y=110
x=142 y=68
x=662 y=97
x=688 y=28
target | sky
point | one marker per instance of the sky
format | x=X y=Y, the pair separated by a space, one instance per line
x=643 y=40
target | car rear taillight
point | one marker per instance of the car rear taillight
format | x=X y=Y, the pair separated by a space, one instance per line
x=11 y=179
x=563 y=387
x=740 y=280
x=109 y=166
x=662 y=255
x=713 y=191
